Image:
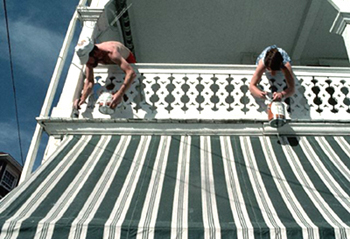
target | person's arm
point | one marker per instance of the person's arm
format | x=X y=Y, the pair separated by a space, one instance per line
x=253 y=86
x=88 y=85
x=129 y=78
x=288 y=75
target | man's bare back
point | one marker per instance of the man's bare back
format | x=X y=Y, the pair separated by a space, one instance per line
x=111 y=47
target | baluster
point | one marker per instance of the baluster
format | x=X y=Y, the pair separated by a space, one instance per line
x=229 y=89
x=170 y=98
x=184 y=98
x=214 y=88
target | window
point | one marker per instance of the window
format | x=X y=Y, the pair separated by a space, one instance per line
x=8 y=180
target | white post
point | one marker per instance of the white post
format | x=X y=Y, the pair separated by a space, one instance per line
x=74 y=79
x=33 y=149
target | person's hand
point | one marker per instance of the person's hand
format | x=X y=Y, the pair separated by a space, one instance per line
x=262 y=94
x=117 y=98
x=77 y=103
x=278 y=96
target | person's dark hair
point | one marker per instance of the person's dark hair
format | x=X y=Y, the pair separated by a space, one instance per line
x=92 y=52
x=273 y=59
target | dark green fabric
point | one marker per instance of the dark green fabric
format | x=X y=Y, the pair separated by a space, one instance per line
x=252 y=163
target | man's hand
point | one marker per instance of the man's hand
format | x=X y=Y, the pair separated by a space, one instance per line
x=77 y=103
x=261 y=94
x=278 y=96
x=117 y=98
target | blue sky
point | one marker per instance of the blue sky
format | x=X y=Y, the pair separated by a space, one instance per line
x=37 y=29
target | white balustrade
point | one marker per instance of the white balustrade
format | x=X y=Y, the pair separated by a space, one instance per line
x=221 y=92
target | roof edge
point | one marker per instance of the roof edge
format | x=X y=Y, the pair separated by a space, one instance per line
x=11 y=160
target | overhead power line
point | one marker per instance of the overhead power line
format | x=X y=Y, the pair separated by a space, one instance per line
x=13 y=82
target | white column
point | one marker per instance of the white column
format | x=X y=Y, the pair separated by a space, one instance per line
x=72 y=85
x=341 y=24
x=34 y=145
x=75 y=76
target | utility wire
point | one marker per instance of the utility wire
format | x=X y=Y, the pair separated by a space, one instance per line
x=13 y=82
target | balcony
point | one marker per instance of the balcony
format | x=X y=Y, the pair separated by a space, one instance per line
x=190 y=142
x=207 y=94
x=221 y=92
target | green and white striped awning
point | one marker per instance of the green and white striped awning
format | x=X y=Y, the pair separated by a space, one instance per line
x=186 y=187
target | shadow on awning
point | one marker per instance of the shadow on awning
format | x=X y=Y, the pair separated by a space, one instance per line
x=105 y=186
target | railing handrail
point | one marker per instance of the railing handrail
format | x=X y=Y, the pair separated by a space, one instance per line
x=223 y=69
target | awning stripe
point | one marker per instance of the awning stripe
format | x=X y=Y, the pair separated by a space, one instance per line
x=283 y=148
x=345 y=147
x=210 y=213
x=132 y=218
x=146 y=227
x=277 y=229
x=195 y=214
x=327 y=185
x=47 y=224
x=79 y=226
x=28 y=187
x=33 y=202
x=226 y=221
x=245 y=229
x=138 y=202
x=60 y=230
x=179 y=226
x=256 y=218
x=186 y=187
x=164 y=217
x=332 y=155
x=341 y=148
x=96 y=226
x=325 y=171
x=318 y=201
x=286 y=192
x=114 y=222
x=272 y=192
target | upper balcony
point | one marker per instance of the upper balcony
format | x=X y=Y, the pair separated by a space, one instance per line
x=221 y=92
x=214 y=93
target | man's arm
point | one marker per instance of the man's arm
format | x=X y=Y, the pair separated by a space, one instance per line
x=253 y=86
x=129 y=78
x=88 y=85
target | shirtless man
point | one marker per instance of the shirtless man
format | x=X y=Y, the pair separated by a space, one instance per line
x=111 y=52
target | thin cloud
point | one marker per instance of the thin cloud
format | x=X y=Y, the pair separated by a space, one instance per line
x=34 y=49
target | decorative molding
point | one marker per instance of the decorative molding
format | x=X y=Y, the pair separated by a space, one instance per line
x=340 y=23
x=89 y=14
x=340 y=5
